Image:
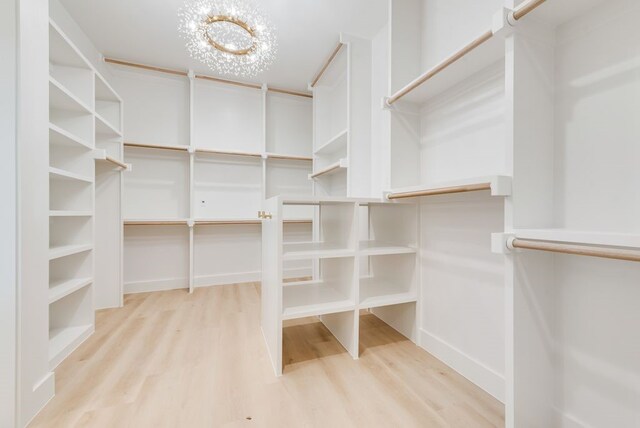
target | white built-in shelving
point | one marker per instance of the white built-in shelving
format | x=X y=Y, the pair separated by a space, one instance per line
x=202 y=166
x=352 y=274
x=342 y=121
x=79 y=123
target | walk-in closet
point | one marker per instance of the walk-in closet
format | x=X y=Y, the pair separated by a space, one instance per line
x=347 y=213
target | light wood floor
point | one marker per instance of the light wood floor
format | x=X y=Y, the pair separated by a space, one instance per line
x=170 y=359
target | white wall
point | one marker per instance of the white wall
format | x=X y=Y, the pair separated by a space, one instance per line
x=8 y=271
x=463 y=286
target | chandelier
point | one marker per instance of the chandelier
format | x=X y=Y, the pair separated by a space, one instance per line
x=230 y=36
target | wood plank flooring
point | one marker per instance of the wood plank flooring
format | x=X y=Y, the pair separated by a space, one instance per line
x=170 y=359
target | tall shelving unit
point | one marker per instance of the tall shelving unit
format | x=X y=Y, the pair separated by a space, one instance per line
x=533 y=107
x=204 y=171
x=342 y=121
x=84 y=114
x=378 y=273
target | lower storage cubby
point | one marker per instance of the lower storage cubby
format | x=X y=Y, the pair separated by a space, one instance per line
x=156 y=258
x=391 y=280
x=332 y=292
x=71 y=321
x=69 y=274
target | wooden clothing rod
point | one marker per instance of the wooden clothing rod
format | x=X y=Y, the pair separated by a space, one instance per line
x=116 y=162
x=289 y=157
x=155 y=146
x=203 y=77
x=155 y=222
x=526 y=7
x=229 y=153
x=441 y=191
x=440 y=67
x=327 y=64
x=579 y=250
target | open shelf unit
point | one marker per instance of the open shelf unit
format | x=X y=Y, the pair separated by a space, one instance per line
x=84 y=125
x=218 y=152
x=350 y=274
x=342 y=122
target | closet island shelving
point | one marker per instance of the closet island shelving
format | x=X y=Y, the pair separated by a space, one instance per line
x=84 y=131
x=377 y=273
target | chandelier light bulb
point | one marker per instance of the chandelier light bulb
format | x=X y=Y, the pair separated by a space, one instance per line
x=232 y=37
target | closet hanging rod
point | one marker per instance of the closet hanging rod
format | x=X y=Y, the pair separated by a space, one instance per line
x=289 y=157
x=525 y=8
x=229 y=153
x=155 y=222
x=327 y=64
x=579 y=250
x=116 y=162
x=440 y=191
x=203 y=77
x=440 y=67
x=156 y=146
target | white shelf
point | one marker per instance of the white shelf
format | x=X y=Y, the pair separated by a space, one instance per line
x=61 y=174
x=68 y=250
x=61 y=98
x=326 y=300
x=376 y=292
x=104 y=91
x=61 y=289
x=63 y=213
x=621 y=240
x=60 y=137
x=64 y=341
x=105 y=129
x=314 y=250
x=483 y=56
x=334 y=168
x=61 y=50
x=377 y=248
x=334 y=145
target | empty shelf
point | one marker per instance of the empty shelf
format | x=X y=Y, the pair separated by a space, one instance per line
x=62 y=213
x=339 y=166
x=375 y=248
x=311 y=250
x=60 y=98
x=68 y=250
x=334 y=145
x=60 y=137
x=61 y=289
x=60 y=174
x=376 y=292
x=105 y=129
x=63 y=341
x=305 y=300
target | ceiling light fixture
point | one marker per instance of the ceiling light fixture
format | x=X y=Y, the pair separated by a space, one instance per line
x=230 y=36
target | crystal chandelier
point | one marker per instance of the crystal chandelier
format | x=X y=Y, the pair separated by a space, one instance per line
x=230 y=36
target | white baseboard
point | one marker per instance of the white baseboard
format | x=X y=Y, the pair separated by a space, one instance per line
x=43 y=392
x=467 y=366
x=205 y=281
x=155 y=285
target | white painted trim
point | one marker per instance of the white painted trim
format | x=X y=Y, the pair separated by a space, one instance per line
x=8 y=212
x=205 y=281
x=44 y=391
x=483 y=376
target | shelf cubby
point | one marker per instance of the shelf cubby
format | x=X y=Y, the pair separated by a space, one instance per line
x=392 y=280
x=288 y=124
x=333 y=292
x=227 y=186
x=158 y=185
x=69 y=274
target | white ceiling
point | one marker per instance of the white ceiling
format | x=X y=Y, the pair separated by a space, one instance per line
x=145 y=31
